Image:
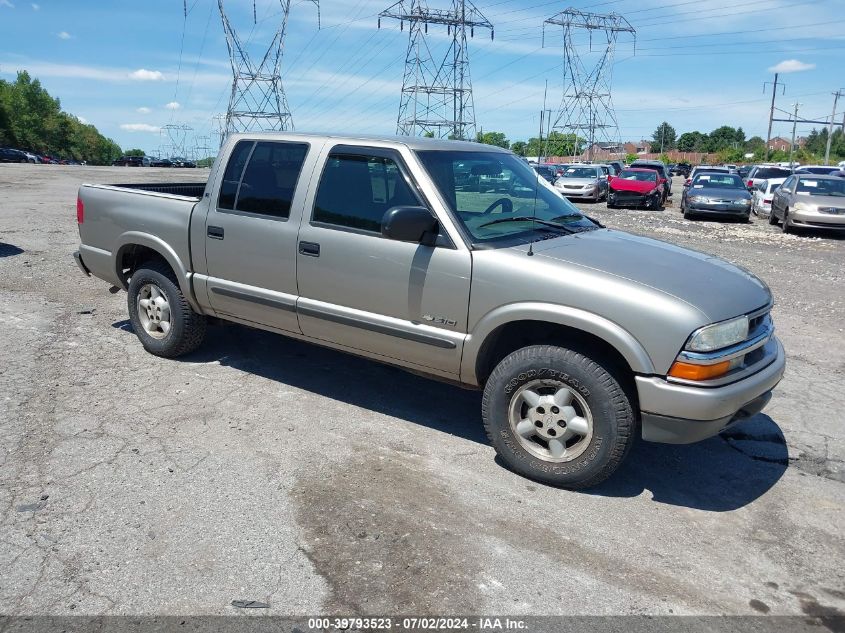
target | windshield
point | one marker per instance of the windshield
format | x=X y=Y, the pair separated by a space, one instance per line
x=495 y=196
x=772 y=172
x=725 y=181
x=642 y=176
x=819 y=187
x=580 y=172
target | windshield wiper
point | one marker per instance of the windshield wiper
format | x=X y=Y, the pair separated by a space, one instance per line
x=528 y=218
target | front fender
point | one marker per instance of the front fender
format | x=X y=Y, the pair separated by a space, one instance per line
x=611 y=333
x=137 y=238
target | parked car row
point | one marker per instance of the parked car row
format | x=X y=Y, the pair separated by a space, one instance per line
x=149 y=161
x=10 y=155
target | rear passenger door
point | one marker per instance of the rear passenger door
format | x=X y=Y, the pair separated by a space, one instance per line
x=251 y=229
x=358 y=290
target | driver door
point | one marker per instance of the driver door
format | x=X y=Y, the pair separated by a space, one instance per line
x=358 y=290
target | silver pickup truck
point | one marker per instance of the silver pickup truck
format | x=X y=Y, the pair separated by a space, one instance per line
x=454 y=260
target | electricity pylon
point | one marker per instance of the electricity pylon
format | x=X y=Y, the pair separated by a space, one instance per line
x=436 y=98
x=257 y=101
x=176 y=136
x=586 y=108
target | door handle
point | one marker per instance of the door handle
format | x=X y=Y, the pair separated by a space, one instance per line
x=312 y=249
x=215 y=232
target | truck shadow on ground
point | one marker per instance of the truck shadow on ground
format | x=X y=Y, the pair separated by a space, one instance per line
x=720 y=474
x=9 y=250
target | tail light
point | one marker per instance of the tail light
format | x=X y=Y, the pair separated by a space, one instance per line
x=767 y=201
x=688 y=182
x=80 y=211
x=750 y=183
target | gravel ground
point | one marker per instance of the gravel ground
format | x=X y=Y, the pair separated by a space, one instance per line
x=265 y=469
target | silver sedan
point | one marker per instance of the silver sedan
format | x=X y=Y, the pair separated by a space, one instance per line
x=583 y=181
x=808 y=200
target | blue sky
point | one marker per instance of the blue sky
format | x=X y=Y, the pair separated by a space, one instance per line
x=698 y=63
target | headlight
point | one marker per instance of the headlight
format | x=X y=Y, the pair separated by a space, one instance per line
x=696 y=199
x=803 y=206
x=719 y=335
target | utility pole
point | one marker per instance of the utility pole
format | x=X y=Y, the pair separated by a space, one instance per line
x=772 y=111
x=586 y=105
x=257 y=101
x=792 y=144
x=836 y=96
x=436 y=96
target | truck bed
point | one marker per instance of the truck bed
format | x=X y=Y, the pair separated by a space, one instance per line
x=188 y=189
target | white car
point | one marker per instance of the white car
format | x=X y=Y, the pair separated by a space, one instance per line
x=761 y=197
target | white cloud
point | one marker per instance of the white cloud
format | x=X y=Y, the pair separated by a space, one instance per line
x=35 y=7
x=142 y=74
x=82 y=120
x=143 y=110
x=791 y=66
x=6 y=3
x=138 y=127
x=63 y=35
x=173 y=105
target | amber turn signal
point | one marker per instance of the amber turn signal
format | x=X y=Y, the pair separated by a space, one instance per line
x=690 y=371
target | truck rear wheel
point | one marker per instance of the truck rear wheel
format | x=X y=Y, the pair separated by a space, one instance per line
x=557 y=416
x=160 y=314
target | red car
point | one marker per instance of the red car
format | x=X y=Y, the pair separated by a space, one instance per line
x=634 y=187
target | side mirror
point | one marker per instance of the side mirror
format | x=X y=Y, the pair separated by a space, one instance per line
x=409 y=224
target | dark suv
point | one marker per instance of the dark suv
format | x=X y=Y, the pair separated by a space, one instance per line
x=131 y=161
x=8 y=155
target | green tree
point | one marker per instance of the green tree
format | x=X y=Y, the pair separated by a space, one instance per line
x=693 y=142
x=630 y=158
x=664 y=137
x=134 y=152
x=33 y=120
x=493 y=138
x=555 y=144
x=725 y=138
x=519 y=147
x=755 y=144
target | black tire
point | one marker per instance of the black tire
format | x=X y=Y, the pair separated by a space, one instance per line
x=614 y=423
x=688 y=216
x=187 y=328
x=773 y=219
x=785 y=222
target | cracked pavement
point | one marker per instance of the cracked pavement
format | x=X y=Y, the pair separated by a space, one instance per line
x=260 y=468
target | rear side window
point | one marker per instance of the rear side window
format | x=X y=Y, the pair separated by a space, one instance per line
x=356 y=190
x=270 y=177
x=232 y=175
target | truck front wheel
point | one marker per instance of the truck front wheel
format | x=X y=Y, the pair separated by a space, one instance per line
x=160 y=314
x=557 y=416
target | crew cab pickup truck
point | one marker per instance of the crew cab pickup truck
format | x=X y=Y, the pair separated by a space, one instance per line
x=580 y=337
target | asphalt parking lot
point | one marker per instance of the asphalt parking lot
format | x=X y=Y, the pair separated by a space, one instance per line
x=261 y=468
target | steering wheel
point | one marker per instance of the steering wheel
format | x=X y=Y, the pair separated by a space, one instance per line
x=505 y=203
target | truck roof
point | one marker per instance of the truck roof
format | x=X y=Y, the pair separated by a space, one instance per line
x=412 y=142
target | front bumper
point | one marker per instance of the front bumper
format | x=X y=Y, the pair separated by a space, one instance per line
x=817 y=219
x=719 y=209
x=673 y=413
x=632 y=198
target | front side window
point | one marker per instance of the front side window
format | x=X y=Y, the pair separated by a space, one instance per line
x=356 y=190
x=499 y=199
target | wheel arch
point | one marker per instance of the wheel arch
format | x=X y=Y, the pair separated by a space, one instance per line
x=135 y=247
x=510 y=327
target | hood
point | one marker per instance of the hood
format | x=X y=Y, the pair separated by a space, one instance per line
x=719 y=193
x=577 y=181
x=640 y=186
x=716 y=288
